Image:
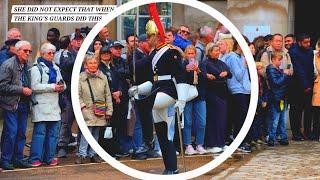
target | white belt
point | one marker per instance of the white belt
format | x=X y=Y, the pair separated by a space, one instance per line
x=164 y=77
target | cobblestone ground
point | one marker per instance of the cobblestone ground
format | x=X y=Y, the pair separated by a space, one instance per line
x=299 y=160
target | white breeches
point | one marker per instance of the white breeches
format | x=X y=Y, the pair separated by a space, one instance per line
x=163 y=111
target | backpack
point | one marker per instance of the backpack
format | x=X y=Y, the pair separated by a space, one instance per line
x=202 y=53
x=40 y=70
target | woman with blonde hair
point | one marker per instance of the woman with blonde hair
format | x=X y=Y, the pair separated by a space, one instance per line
x=195 y=108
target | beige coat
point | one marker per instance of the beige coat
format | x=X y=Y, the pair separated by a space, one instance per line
x=316 y=88
x=286 y=60
x=101 y=91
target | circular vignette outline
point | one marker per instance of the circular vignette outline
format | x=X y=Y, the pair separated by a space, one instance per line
x=143 y=175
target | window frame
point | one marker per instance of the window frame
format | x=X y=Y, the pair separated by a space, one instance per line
x=119 y=19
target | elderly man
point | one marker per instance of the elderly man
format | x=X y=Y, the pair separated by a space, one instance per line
x=206 y=36
x=15 y=94
x=276 y=45
x=104 y=36
x=7 y=51
x=14 y=33
x=181 y=39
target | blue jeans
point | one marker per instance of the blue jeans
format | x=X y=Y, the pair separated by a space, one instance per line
x=200 y=111
x=137 y=139
x=15 y=127
x=278 y=119
x=44 y=141
x=83 y=147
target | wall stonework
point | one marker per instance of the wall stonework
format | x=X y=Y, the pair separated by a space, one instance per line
x=3 y=20
x=273 y=13
x=195 y=18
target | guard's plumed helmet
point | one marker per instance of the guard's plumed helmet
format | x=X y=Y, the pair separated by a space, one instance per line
x=151 y=28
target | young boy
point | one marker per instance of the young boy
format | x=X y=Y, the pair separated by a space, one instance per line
x=278 y=80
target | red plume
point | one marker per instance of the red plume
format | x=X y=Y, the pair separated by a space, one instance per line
x=155 y=16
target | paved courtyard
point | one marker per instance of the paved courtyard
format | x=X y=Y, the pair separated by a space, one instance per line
x=299 y=160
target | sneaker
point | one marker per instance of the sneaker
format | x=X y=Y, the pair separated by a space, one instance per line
x=36 y=163
x=259 y=141
x=298 y=138
x=142 y=149
x=80 y=160
x=214 y=150
x=122 y=154
x=7 y=166
x=224 y=147
x=244 y=149
x=254 y=143
x=159 y=153
x=200 y=149
x=284 y=142
x=190 y=150
x=152 y=154
x=62 y=153
x=95 y=159
x=271 y=143
x=21 y=164
x=139 y=156
x=54 y=162
x=73 y=141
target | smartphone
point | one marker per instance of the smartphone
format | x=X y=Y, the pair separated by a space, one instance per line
x=61 y=82
x=288 y=66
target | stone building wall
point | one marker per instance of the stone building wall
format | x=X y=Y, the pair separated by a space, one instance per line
x=273 y=13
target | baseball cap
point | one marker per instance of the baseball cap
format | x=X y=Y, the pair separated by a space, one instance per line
x=105 y=49
x=116 y=44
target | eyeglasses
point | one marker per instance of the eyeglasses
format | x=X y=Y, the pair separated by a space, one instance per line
x=27 y=51
x=51 y=53
x=185 y=32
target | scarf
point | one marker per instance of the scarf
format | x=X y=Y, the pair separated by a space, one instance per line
x=93 y=75
x=52 y=72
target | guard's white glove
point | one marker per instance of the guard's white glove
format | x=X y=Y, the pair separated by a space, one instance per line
x=182 y=91
x=180 y=104
x=133 y=91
